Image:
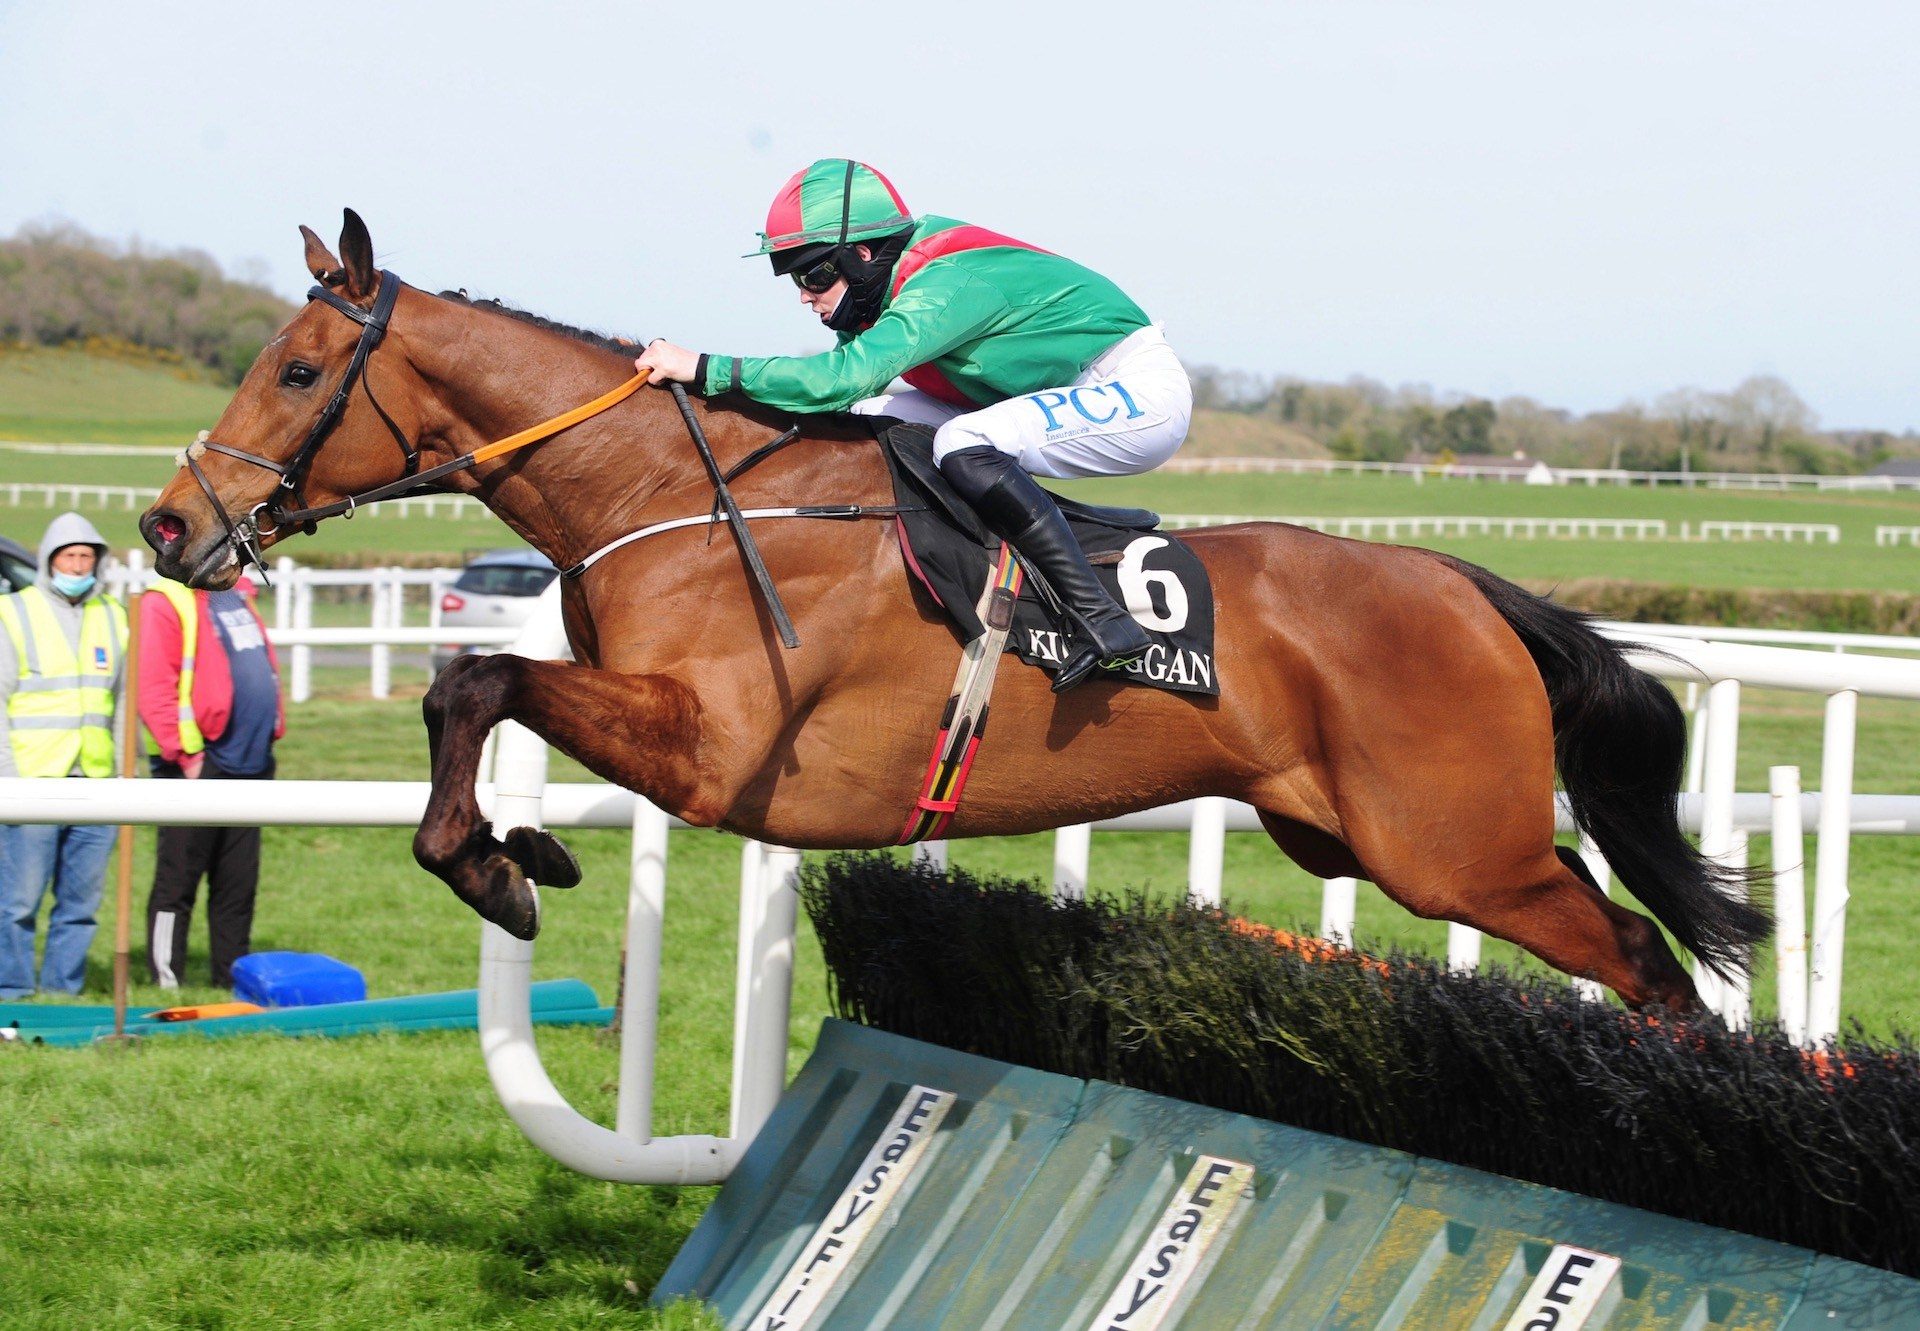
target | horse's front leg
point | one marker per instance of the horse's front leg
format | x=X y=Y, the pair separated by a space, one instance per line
x=640 y=731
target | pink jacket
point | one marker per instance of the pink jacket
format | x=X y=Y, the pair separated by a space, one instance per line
x=159 y=673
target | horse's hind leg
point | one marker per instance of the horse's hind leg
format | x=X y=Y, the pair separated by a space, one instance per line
x=1559 y=915
x=622 y=726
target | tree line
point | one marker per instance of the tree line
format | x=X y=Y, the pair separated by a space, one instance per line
x=1759 y=425
x=60 y=286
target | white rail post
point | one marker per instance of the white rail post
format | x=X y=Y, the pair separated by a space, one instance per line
x=1463 y=947
x=380 y=655
x=1592 y=990
x=933 y=854
x=1716 y=814
x=1207 y=850
x=769 y=903
x=1830 y=867
x=1696 y=738
x=1738 y=1012
x=283 y=592
x=1337 y=905
x=1789 y=900
x=1072 y=850
x=302 y=593
x=640 y=977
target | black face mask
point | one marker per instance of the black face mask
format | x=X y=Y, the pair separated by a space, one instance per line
x=867 y=282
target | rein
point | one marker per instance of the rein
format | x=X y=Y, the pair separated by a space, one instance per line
x=243 y=536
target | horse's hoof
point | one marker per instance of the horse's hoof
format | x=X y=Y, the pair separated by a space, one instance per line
x=543 y=856
x=509 y=899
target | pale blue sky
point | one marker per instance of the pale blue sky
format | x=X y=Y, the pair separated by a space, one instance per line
x=1491 y=198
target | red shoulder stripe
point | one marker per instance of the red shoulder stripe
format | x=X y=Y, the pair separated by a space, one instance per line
x=953 y=240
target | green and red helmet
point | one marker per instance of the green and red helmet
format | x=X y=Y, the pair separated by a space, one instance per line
x=835 y=201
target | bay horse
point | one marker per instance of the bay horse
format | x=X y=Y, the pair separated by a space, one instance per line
x=1394 y=714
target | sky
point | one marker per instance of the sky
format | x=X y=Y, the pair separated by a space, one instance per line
x=1581 y=204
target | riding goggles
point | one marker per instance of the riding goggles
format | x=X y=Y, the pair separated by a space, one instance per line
x=820 y=277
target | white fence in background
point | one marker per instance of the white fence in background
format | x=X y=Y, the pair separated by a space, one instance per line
x=1896 y=535
x=520 y=795
x=132 y=498
x=1517 y=475
x=1637 y=529
x=1394 y=528
x=1766 y=531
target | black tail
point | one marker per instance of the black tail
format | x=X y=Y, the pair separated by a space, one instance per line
x=1620 y=742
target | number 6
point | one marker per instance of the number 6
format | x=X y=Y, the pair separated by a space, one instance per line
x=1136 y=588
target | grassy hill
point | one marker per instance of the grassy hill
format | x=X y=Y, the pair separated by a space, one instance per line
x=116 y=396
x=1232 y=434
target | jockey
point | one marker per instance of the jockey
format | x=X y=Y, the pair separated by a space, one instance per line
x=1024 y=363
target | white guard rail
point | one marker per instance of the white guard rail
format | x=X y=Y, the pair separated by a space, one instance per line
x=628 y=1152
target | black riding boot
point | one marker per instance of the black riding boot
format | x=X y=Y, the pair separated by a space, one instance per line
x=1019 y=512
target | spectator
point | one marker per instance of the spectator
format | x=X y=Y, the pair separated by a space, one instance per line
x=61 y=680
x=209 y=692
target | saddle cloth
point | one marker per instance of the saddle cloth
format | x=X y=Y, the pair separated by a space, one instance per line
x=1153 y=575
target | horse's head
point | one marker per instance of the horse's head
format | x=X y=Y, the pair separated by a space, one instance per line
x=298 y=434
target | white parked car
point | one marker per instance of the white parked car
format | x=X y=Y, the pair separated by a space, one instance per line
x=497 y=590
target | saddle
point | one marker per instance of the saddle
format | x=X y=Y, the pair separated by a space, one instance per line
x=1154 y=575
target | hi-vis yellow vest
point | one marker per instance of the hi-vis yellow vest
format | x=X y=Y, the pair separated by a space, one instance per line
x=191 y=741
x=61 y=710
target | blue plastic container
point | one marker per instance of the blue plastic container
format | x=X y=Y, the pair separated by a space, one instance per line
x=296 y=979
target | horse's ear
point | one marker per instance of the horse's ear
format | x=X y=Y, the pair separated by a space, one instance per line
x=356 y=247
x=325 y=268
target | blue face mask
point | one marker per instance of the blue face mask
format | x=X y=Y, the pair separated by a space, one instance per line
x=73 y=586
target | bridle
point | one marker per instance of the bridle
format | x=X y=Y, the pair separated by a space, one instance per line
x=244 y=535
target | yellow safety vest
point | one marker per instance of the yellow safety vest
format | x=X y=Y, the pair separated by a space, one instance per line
x=61 y=710
x=191 y=740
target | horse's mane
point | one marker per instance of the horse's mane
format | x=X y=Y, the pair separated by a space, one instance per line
x=618 y=346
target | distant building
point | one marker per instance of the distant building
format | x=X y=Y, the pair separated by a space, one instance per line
x=1903 y=467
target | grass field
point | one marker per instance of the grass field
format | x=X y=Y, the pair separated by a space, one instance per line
x=375 y=1182
x=65 y=396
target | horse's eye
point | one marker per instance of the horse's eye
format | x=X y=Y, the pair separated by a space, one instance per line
x=298 y=375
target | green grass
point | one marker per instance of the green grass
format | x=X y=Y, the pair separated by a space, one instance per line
x=375 y=1182
x=253 y=1182
x=70 y=396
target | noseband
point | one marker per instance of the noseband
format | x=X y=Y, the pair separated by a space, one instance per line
x=244 y=536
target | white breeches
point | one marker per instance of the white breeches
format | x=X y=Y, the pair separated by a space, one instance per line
x=1127 y=413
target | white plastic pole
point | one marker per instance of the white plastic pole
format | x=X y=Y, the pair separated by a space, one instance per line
x=382 y=593
x=283 y=592
x=1738 y=1012
x=1789 y=901
x=760 y=1059
x=1830 y=867
x=933 y=854
x=1207 y=850
x=1072 y=850
x=753 y=866
x=301 y=591
x=640 y=980
x=1592 y=990
x=1463 y=947
x=1716 y=817
x=1337 y=906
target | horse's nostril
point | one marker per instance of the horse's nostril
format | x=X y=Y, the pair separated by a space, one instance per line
x=169 y=529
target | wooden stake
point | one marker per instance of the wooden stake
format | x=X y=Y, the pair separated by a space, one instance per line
x=129 y=755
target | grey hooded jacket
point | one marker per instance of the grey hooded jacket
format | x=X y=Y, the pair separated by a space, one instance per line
x=67 y=529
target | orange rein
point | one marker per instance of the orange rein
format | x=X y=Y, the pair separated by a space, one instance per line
x=546 y=429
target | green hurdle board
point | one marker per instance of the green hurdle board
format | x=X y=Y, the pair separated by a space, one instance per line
x=903 y=1185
